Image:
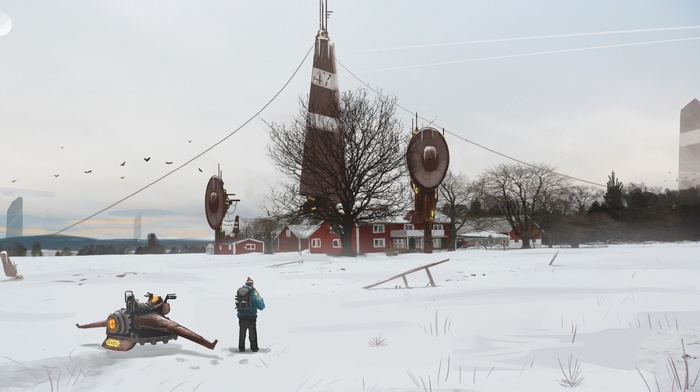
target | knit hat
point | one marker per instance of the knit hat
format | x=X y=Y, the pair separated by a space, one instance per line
x=249 y=282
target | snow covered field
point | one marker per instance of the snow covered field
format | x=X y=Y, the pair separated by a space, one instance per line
x=497 y=321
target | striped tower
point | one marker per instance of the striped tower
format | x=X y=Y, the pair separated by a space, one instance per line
x=689 y=153
x=323 y=162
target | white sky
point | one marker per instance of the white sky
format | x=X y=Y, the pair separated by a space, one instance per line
x=87 y=86
x=496 y=321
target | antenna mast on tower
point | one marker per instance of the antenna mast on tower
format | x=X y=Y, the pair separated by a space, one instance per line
x=323 y=16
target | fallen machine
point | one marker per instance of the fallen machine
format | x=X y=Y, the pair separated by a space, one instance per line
x=9 y=266
x=143 y=323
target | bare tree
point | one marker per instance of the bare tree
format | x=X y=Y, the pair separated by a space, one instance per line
x=581 y=197
x=455 y=195
x=262 y=229
x=373 y=185
x=525 y=195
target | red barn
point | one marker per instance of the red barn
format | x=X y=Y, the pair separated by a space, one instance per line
x=295 y=238
x=248 y=245
x=324 y=240
x=397 y=235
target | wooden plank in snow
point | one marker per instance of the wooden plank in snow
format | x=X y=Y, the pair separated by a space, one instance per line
x=403 y=274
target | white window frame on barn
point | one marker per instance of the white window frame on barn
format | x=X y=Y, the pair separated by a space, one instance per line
x=437 y=243
x=379 y=243
x=288 y=233
x=250 y=246
x=315 y=242
x=437 y=226
x=408 y=226
x=337 y=243
x=377 y=228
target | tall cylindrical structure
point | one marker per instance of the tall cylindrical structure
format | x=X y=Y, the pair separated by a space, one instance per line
x=15 y=224
x=689 y=147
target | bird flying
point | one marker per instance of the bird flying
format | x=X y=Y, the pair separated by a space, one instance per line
x=147 y=159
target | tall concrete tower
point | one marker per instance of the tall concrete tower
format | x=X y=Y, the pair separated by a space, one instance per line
x=689 y=153
x=14 y=224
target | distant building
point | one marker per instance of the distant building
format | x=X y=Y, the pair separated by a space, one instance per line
x=689 y=153
x=295 y=238
x=248 y=245
x=15 y=223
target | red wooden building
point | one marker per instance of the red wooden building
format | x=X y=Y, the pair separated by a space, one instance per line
x=399 y=235
x=324 y=240
x=295 y=238
x=248 y=245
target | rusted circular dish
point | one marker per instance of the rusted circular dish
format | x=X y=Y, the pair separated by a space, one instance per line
x=215 y=202
x=428 y=158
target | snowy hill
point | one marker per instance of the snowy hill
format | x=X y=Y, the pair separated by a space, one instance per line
x=497 y=321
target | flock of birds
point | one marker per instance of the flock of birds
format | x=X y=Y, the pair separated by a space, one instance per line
x=147 y=159
x=686 y=177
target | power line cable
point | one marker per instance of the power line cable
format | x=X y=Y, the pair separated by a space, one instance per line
x=512 y=56
x=198 y=155
x=524 y=55
x=509 y=56
x=465 y=139
x=530 y=38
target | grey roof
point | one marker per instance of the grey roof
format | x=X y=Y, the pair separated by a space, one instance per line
x=303 y=232
x=497 y=225
x=483 y=234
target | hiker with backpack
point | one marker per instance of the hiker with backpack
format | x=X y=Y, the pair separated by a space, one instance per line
x=248 y=302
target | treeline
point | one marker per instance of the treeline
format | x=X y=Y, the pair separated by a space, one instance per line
x=534 y=200
x=153 y=246
x=632 y=214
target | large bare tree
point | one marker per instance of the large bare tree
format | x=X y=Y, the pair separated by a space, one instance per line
x=525 y=195
x=373 y=184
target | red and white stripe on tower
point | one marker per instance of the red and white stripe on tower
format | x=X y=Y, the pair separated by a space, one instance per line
x=323 y=162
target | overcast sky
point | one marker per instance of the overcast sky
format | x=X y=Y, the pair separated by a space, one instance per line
x=587 y=87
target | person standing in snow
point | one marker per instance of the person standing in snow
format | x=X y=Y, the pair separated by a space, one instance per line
x=248 y=302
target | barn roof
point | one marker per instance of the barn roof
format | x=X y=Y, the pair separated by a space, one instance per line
x=304 y=231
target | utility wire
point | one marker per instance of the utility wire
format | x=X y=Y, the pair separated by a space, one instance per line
x=520 y=55
x=529 y=38
x=509 y=56
x=502 y=57
x=198 y=155
x=465 y=139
